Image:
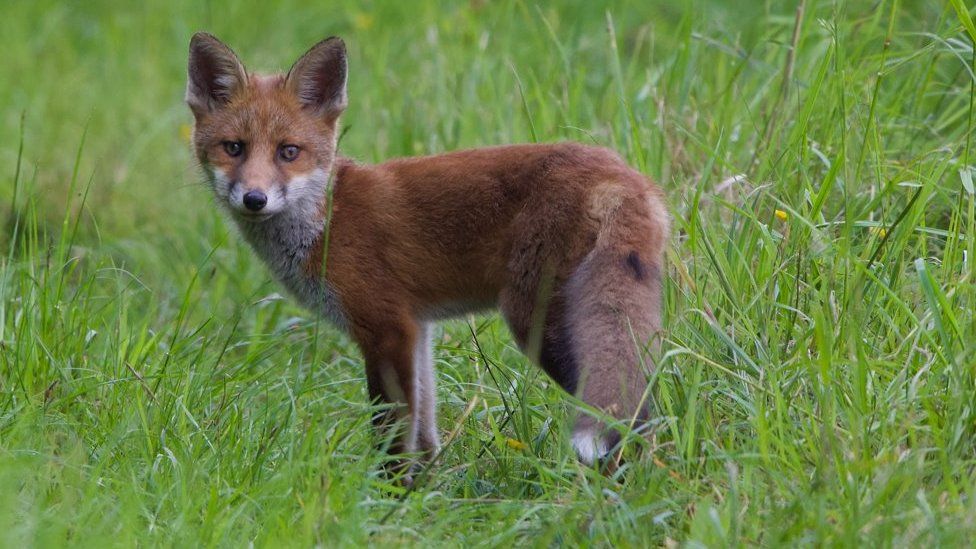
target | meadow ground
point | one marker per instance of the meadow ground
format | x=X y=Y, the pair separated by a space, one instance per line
x=816 y=380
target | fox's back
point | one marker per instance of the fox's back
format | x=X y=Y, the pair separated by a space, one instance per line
x=458 y=223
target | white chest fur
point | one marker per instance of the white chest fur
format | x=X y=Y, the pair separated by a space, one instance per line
x=285 y=243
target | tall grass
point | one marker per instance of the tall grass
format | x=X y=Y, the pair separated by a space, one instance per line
x=816 y=378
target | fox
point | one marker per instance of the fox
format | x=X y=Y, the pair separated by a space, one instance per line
x=564 y=240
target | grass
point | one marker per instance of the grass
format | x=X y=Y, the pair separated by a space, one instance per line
x=815 y=385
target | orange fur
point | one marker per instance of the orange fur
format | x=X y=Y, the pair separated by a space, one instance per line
x=565 y=239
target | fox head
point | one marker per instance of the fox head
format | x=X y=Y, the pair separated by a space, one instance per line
x=266 y=143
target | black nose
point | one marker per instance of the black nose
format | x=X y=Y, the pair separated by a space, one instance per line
x=255 y=200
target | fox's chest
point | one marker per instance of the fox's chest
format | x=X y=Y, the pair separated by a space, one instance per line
x=285 y=251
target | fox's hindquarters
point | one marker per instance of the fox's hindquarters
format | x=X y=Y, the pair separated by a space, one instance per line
x=615 y=297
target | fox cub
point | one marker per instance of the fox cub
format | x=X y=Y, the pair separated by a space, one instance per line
x=564 y=239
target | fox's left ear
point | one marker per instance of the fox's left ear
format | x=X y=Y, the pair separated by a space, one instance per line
x=318 y=78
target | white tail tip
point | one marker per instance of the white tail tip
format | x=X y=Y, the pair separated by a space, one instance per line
x=589 y=446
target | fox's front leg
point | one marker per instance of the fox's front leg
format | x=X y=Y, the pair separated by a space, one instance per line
x=426 y=421
x=392 y=348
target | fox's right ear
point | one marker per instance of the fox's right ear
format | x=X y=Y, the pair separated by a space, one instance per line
x=214 y=74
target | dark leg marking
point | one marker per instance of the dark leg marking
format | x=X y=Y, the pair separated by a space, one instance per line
x=556 y=356
x=558 y=361
x=613 y=439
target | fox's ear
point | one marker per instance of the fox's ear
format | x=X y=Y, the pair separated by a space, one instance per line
x=214 y=74
x=319 y=78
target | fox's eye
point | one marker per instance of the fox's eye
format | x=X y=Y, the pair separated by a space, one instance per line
x=288 y=152
x=233 y=148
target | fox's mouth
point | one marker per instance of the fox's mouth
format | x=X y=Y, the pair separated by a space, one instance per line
x=255 y=217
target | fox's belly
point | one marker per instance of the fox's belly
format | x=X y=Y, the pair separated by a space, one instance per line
x=455 y=307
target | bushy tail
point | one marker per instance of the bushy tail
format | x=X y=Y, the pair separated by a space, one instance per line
x=614 y=314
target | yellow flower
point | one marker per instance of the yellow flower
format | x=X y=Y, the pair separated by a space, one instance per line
x=516 y=444
x=879 y=231
x=781 y=215
x=362 y=21
x=186 y=132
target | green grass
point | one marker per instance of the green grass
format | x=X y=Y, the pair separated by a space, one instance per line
x=817 y=378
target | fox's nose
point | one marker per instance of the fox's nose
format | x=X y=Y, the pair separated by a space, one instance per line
x=255 y=200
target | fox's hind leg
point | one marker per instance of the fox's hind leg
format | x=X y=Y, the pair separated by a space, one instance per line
x=589 y=325
x=591 y=340
x=544 y=336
